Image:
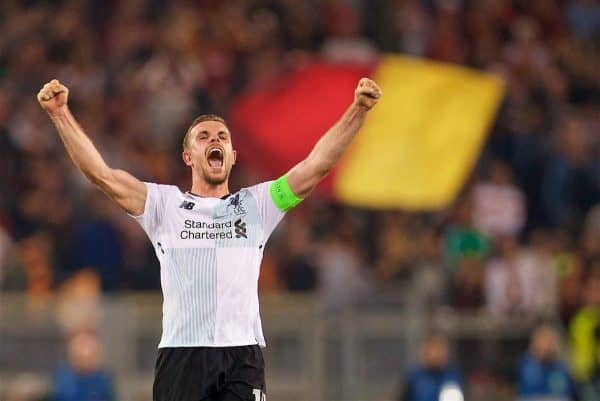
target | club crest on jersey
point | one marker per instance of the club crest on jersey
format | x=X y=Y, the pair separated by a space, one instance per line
x=236 y=203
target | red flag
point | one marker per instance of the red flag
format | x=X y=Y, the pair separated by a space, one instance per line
x=278 y=126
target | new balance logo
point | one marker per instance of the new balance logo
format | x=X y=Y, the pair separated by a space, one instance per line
x=187 y=205
x=240 y=229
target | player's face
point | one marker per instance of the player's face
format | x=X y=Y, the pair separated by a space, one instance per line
x=210 y=151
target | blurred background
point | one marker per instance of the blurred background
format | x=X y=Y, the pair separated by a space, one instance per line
x=496 y=291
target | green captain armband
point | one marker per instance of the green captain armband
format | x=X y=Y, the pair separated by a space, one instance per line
x=282 y=194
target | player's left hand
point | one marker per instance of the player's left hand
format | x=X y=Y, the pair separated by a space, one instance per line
x=367 y=93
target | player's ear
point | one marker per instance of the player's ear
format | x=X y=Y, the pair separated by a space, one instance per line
x=234 y=157
x=187 y=158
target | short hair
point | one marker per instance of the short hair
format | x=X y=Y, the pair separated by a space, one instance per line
x=198 y=120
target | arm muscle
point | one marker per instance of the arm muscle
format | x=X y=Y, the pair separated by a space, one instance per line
x=123 y=188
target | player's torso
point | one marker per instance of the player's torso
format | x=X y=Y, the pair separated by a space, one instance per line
x=210 y=252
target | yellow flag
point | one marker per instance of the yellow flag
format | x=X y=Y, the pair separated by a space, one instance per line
x=422 y=139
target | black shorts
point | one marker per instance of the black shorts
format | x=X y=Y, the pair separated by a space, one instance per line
x=210 y=374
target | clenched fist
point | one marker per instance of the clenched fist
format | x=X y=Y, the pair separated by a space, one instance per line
x=367 y=93
x=53 y=96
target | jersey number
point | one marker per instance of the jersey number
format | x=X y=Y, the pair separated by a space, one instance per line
x=259 y=395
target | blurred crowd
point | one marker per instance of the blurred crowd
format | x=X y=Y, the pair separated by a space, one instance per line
x=522 y=239
x=540 y=373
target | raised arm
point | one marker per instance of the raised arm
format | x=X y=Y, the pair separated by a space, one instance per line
x=305 y=176
x=124 y=189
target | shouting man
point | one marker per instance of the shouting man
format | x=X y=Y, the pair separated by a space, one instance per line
x=210 y=243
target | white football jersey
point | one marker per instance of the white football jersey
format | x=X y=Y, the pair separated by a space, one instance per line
x=210 y=251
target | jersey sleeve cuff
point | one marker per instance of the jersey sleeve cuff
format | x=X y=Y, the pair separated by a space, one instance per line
x=149 y=198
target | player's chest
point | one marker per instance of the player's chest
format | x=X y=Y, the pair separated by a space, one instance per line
x=231 y=222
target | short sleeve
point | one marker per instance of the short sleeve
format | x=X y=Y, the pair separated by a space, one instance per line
x=154 y=207
x=269 y=213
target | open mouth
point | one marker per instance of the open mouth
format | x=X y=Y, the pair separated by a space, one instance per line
x=215 y=157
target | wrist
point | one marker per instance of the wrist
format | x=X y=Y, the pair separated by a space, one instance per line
x=58 y=112
x=359 y=107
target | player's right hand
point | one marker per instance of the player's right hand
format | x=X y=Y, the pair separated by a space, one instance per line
x=53 y=96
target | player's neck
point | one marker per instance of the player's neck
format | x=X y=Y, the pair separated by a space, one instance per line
x=208 y=190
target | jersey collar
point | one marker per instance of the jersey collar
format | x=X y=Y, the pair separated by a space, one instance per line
x=205 y=197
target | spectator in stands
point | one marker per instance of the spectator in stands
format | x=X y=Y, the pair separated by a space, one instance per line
x=461 y=238
x=25 y=387
x=541 y=374
x=299 y=270
x=571 y=283
x=83 y=378
x=97 y=245
x=591 y=235
x=342 y=277
x=344 y=44
x=6 y=249
x=567 y=184
x=433 y=374
x=585 y=338
x=521 y=280
x=396 y=249
x=498 y=204
x=467 y=285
